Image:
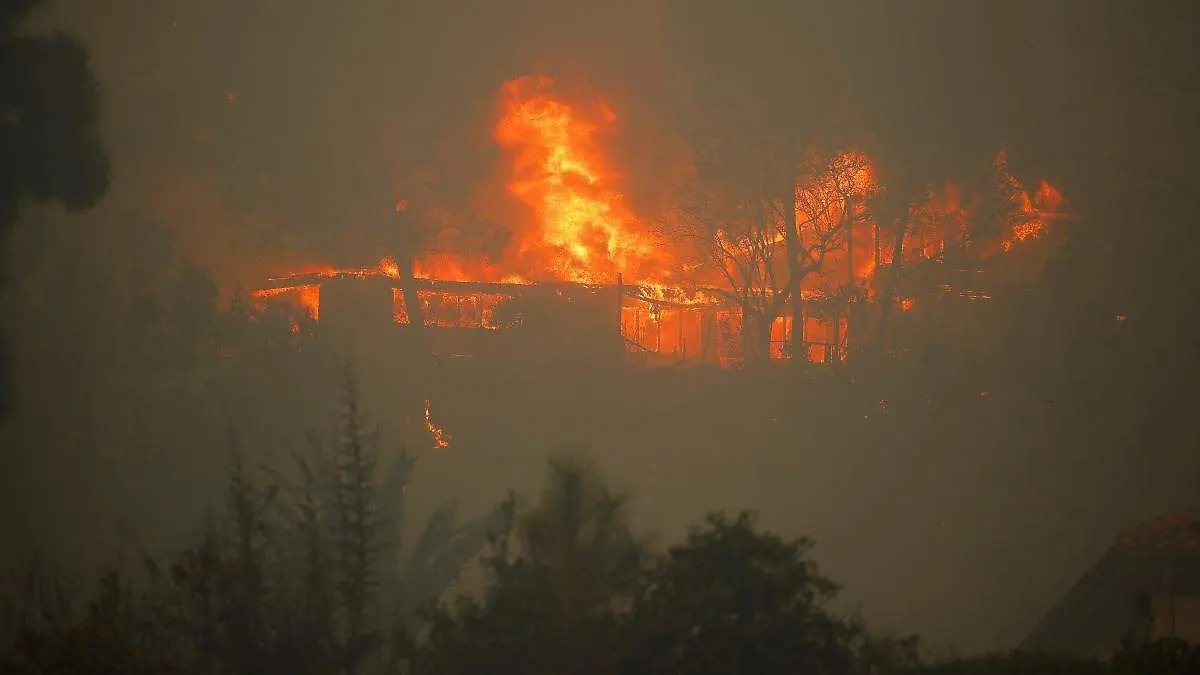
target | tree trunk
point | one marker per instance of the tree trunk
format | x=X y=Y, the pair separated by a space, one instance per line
x=412 y=300
x=405 y=247
x=756 y=337
x=851 y=282
x=417 y=350
x=849 y=216
x=792 y=245
x=889 y=289
x=835 y=350
x=796 y=348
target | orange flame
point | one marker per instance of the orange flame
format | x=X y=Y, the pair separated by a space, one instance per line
x=1032 y=214
x=399 y=307
x=441 y=439
x=307 y=296
x=586 y=233
x=442 y=266
x=389 y=268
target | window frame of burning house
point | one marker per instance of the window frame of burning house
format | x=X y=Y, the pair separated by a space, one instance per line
x=665 y=328
x=729 y=336
x=635 y=319
x=456 y=309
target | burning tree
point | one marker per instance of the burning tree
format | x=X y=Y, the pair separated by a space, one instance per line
x=830 y=215
x=763 y=233
x=957 y=224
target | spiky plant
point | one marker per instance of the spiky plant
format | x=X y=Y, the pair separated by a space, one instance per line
x=357 y=537
x=246 y=613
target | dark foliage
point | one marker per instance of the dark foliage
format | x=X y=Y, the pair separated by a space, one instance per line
x=50 y=145
x=1014 y=663
x=572 y=590
x=733 y=598
x=1156 y=657
x=1134 y=657
x=561 y=573
x=296 y=576
x=304 y=583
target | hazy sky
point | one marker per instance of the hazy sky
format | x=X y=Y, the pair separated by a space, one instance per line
x=264 y=133
x=303 y=119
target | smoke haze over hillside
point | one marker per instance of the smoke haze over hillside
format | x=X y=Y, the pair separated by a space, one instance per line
x=251 y=138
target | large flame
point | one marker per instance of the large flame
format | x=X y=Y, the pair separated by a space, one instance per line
x=585 y=231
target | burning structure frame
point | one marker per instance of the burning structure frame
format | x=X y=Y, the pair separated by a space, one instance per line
x=655 y=327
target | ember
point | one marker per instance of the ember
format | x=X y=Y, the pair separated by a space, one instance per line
x=440 y=438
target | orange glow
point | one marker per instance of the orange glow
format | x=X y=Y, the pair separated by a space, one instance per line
x=399 y=307
x=575 y=225
x=459 y=310
x=833 y=200
x=442 y=266
x=585 y=232
x=1032 y=213
x=310 y=298
x=389 y=268
x=441 y=439
x=945 y=217
x=307 y=297
x=386 y=267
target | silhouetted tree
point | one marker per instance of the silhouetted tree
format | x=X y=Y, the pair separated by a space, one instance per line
x=358 y=528
x=560 y=572
x=765 y=222
x=1012 y=664
x=249 y=604
x=884 y=655
x=1169 y=656
x=1135 y=656
x=732 y=598
x=50 y=146
x=317 y=583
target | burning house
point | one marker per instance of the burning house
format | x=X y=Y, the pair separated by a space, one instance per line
x=742 y=270
x=651 y=324
x=474 y=318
